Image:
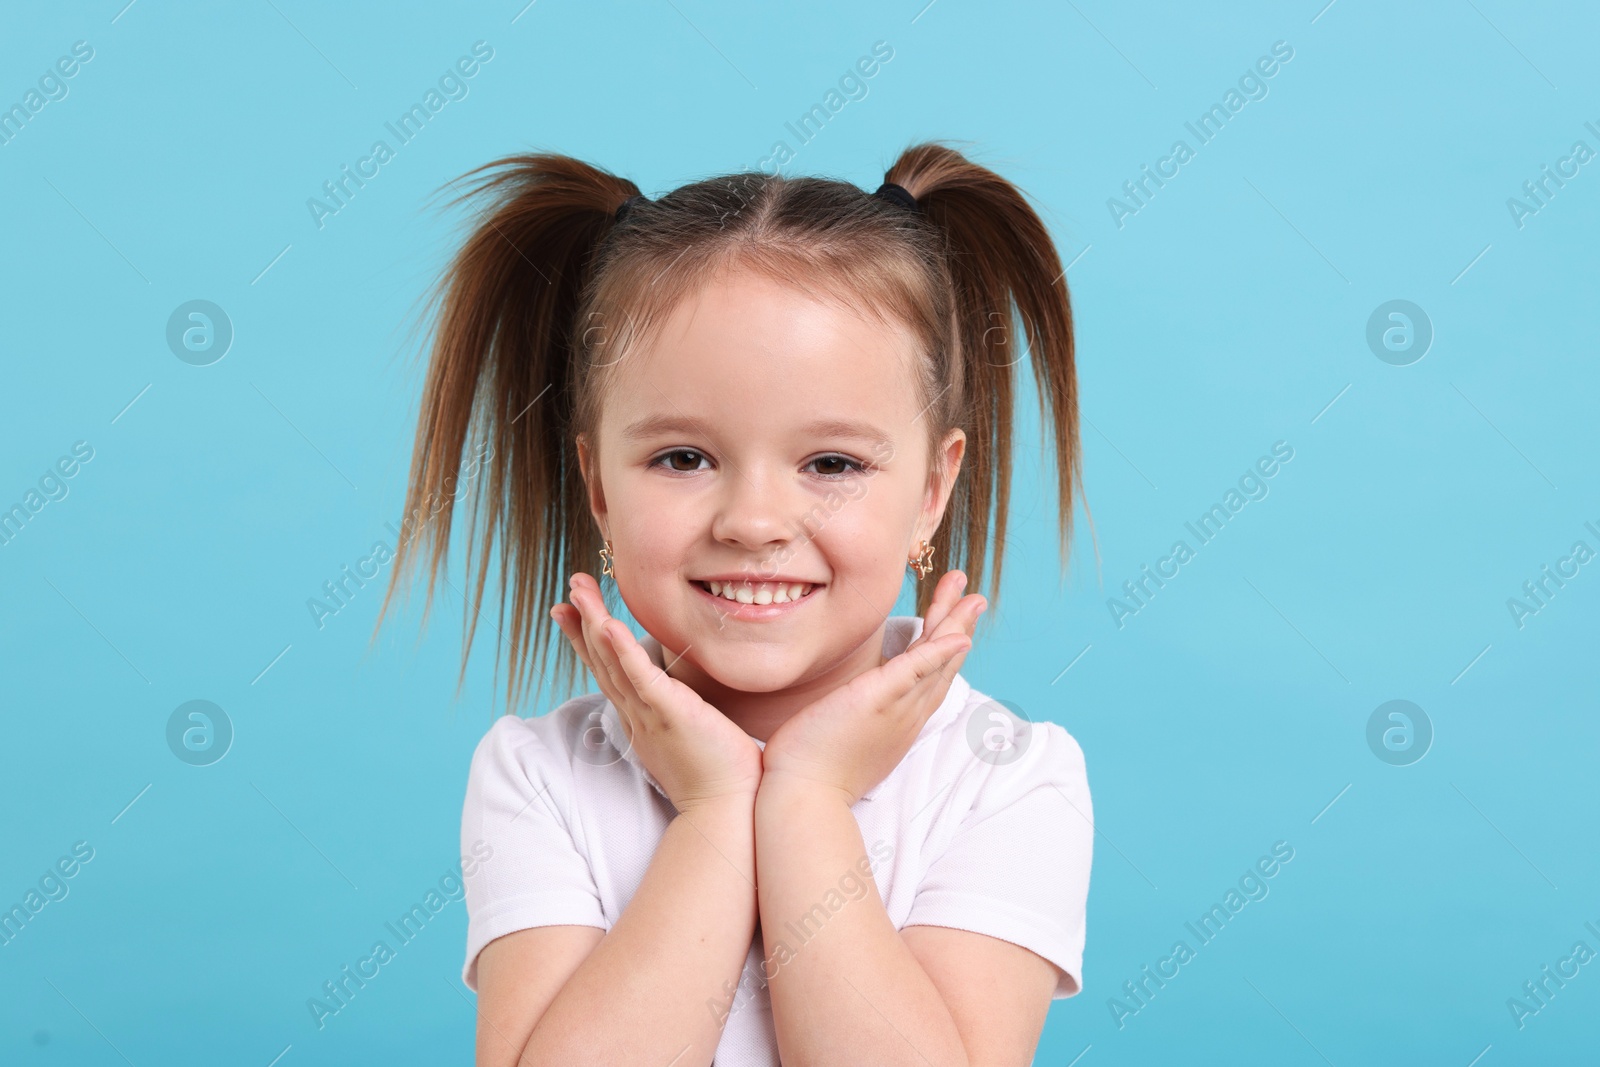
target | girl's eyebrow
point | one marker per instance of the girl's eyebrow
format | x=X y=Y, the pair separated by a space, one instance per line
x=654 y=425
x=863 y=431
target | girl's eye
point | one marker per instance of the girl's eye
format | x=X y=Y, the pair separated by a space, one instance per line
x=837 y=466
x=688 y=460
x=671 y=459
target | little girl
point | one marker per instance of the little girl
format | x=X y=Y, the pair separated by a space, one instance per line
x=785 y=829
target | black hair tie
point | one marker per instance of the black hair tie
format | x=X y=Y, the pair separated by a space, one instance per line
x=627 y=205
x=898 y=195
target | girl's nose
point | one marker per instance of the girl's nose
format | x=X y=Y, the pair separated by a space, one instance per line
x=756 y=510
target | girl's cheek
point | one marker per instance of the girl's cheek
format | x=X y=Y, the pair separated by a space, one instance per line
x=878 y=513
x=656 y=565
x=860 y=545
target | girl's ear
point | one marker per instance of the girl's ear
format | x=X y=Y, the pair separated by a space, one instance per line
x=942 y=481
x=591 y=480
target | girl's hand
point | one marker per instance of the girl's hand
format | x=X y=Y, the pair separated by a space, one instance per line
x=698 y=754
x=852 y=738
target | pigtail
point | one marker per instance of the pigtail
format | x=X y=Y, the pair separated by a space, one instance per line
x=496 y=410
x=1004 y=268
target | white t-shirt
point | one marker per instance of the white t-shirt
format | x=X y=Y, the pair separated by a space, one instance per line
x=984 y=825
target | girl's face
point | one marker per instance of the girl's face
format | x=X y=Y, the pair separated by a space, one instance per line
x=766 y=439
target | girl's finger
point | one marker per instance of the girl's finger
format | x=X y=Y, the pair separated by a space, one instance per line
x=605 y=649
x=594 y=615
x=609 y=637
x=976 y=607
x=951 y=659
x=566 y=617
x=622 y=698
x=952 y=668
x=642 y=674
x=593 y=626
x=963 y=617
x=913 y=667
x=592 y=612
x=575 y=625
x=617 y=640
x=945 y=594
x=959 y=624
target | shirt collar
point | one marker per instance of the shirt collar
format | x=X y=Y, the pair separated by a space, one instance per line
x=899 y=631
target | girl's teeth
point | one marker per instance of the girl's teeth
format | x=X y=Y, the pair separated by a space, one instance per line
x=769 y=593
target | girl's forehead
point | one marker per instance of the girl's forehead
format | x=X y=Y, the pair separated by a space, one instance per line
x=754 y=330
x=751 y=304
x=776 y=368
x=863 y=389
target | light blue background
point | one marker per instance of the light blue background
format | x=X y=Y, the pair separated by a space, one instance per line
x=1228 y=314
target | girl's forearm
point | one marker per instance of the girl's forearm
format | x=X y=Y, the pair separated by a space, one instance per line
x=845 y=988
x=647 y=991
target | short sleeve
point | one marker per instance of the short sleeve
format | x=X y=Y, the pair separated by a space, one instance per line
x=1017 y=868
x=522 y=865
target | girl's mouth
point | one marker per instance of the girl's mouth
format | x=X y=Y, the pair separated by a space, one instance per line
x=755 y=600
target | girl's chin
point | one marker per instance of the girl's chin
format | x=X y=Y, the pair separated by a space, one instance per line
x=742 y=667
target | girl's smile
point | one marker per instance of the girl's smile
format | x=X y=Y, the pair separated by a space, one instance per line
x=738 y=598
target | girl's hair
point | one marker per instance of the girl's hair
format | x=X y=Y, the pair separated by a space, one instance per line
x=550 y=294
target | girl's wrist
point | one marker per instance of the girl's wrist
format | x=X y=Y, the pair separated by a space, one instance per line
x=780 y=787
x=739 y=805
